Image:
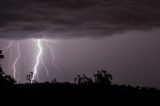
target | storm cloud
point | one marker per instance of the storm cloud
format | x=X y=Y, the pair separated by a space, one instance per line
x=22 y=19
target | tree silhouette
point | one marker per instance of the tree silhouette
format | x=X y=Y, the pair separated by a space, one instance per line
x=1 y=56
x=53 y=81
x=83 y=79
x=5 y=79
x=1 y=72
x=103 y=77
x=29 y=77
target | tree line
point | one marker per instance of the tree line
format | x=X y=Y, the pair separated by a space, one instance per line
x=101 y=77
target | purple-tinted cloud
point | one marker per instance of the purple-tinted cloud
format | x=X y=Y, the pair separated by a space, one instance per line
x=22 y=19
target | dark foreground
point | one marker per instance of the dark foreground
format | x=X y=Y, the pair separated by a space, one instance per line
x=73 y=94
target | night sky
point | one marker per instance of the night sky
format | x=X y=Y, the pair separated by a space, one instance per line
x=120 y=36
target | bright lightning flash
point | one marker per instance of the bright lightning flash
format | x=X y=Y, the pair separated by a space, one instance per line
x=15 y=62
x=53 y=56
x=8 y=47
x=47 y=71
x=35 y=70
x=5 y=49
x=39 y=59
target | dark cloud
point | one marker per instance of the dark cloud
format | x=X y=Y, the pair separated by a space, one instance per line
x=75 y=18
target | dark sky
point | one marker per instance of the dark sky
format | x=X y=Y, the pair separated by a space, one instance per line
x=63 y=19
x=121 y=36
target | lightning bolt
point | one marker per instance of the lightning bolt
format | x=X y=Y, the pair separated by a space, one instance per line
x=47 y=71
x=5 y=50
x=10 y=58
x=8 y=47
x=39 y=60
x=29 y=52
x=16 y=60
x=19 y=76
x=35 y=70
x=53 y=56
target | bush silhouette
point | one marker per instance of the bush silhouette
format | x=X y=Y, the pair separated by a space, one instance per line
x=53 y=81
x=29 y=77
x=1 y=56
x=83 y=79
x=5 y=79
x=103 y=77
